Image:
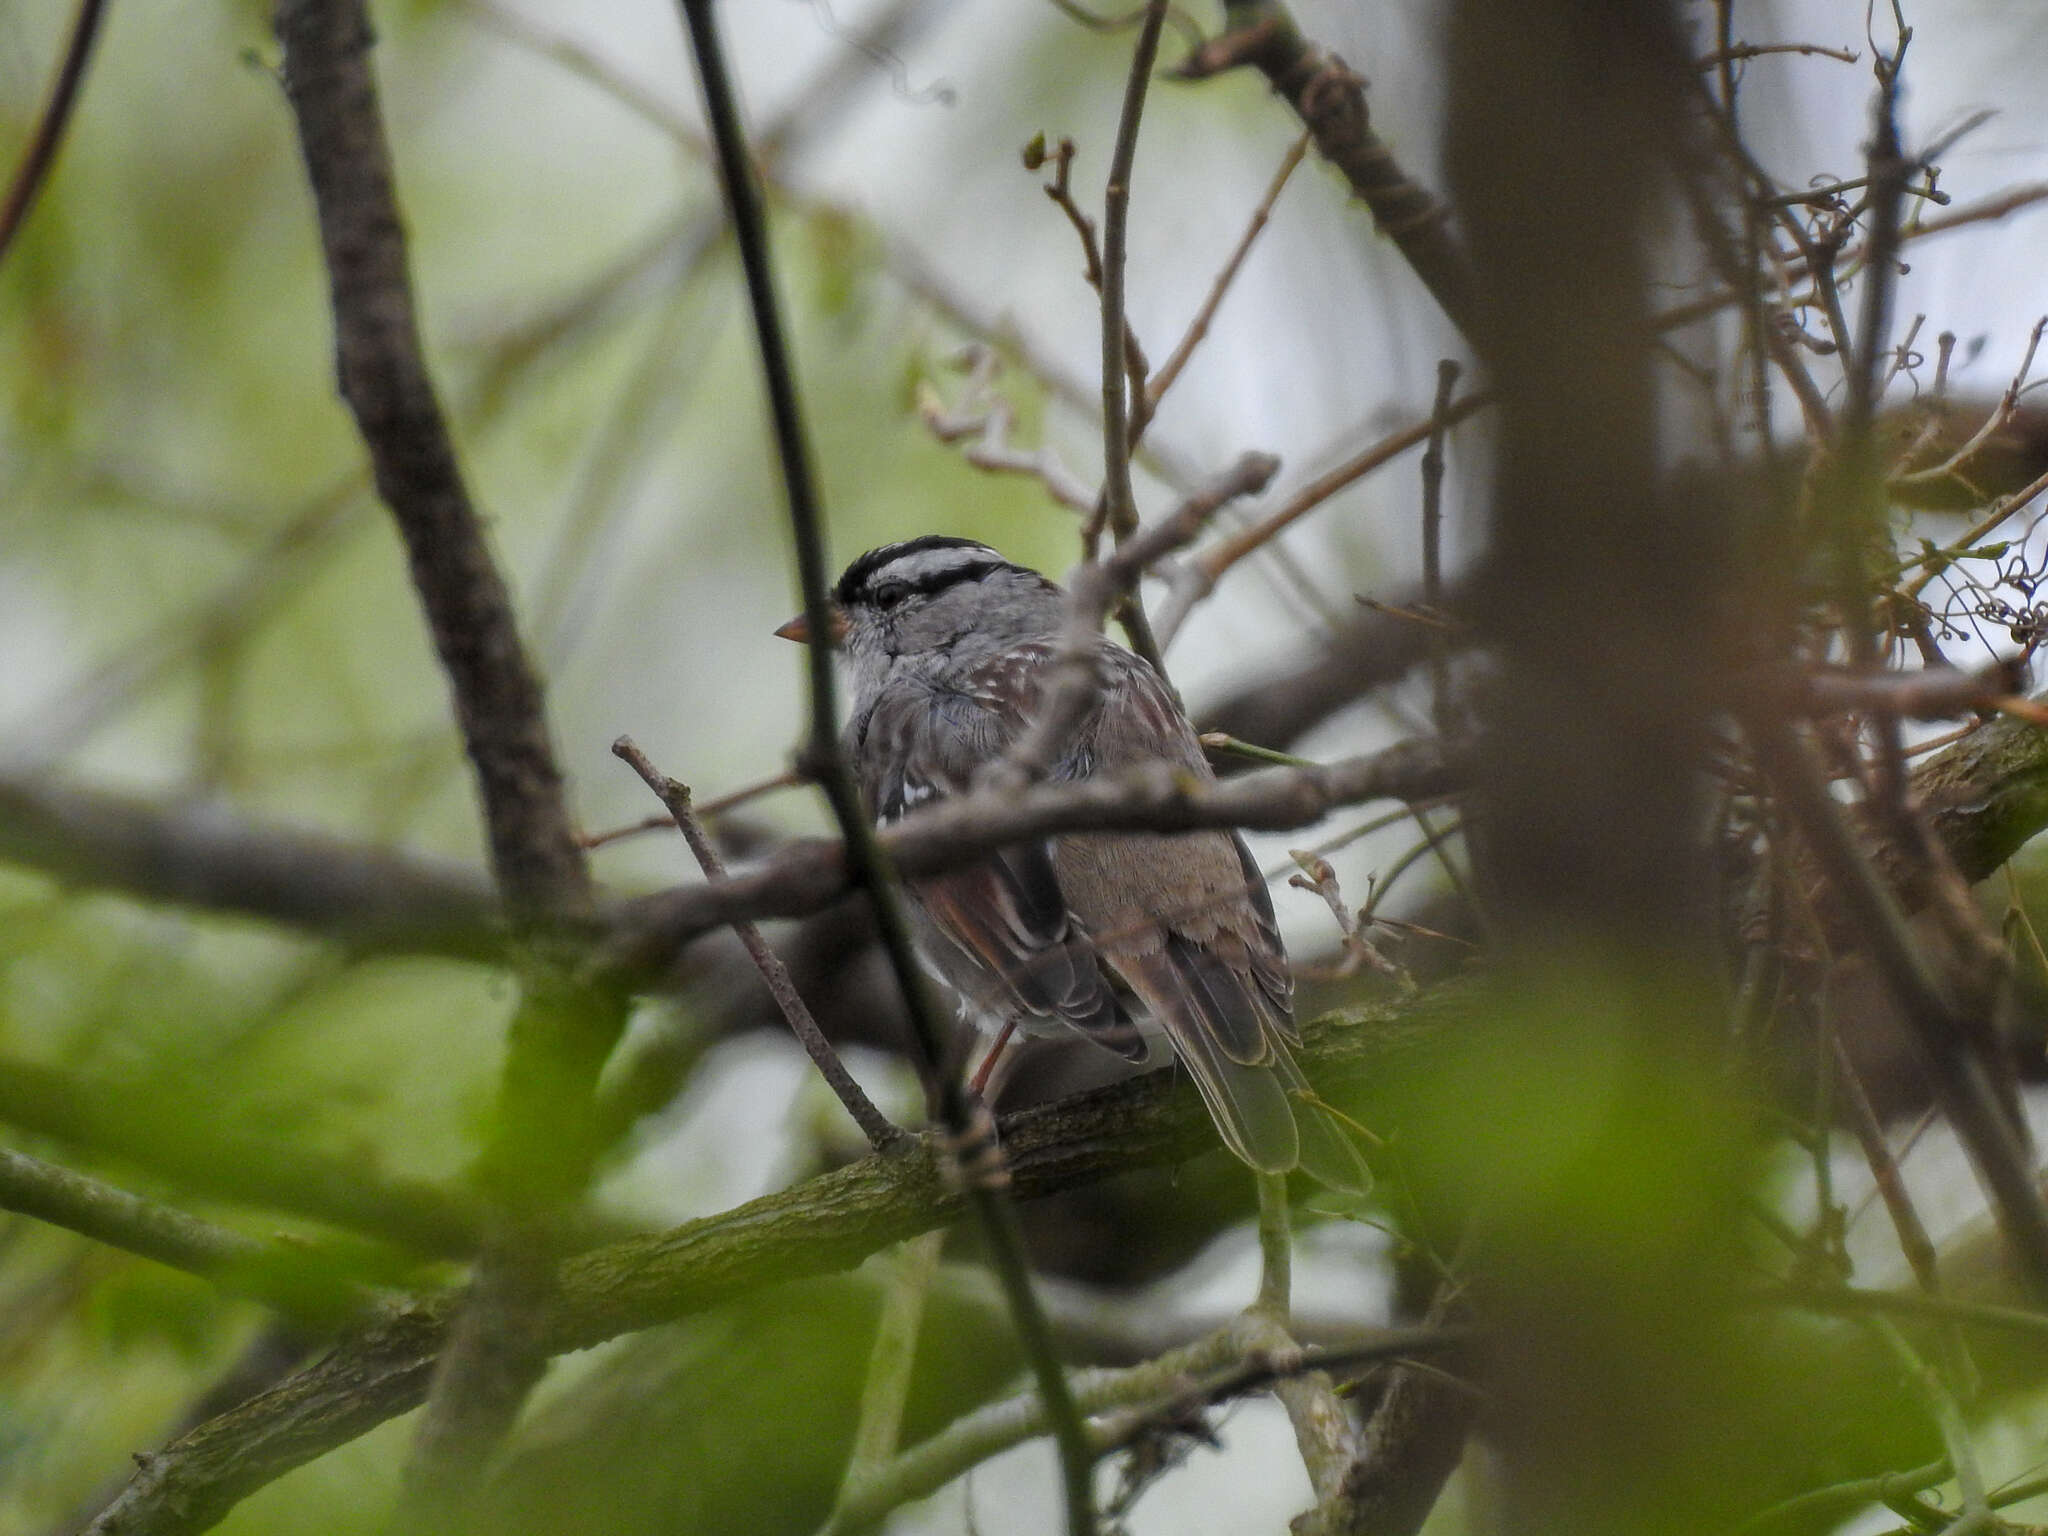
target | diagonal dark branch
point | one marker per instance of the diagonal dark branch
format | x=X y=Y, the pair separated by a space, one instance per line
x=542 y=1143
x=383 y=377
x=881 y=1134
x=1330 y=101
x=41 y=153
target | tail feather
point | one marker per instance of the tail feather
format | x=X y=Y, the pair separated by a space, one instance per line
x=1263 y=1107
x=1329 y=1155
x=1248 y=1103
x=1231 y=1009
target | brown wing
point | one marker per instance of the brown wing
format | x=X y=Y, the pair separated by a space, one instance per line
x=998 y=931
x=1188 y=924
x=1138 y=894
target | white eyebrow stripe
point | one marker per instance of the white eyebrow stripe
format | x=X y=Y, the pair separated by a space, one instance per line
x=924 y=566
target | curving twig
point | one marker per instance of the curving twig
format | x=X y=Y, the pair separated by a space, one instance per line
x=1147 y=403
x=1197 y=578
x=41 y=154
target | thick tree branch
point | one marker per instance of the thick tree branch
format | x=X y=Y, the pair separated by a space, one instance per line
x=826 y=1224
x=206 y=858
x=543 y=1142
x=383 y=377
x=805 y=876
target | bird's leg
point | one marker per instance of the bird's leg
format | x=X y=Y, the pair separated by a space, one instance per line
x=979 y=1081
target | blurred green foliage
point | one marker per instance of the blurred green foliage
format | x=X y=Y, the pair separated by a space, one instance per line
x=199 y=599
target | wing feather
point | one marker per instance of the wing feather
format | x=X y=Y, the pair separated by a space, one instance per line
x=999 y=931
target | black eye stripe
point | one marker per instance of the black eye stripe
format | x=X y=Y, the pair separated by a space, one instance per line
x=865 y=574
x=888 y=591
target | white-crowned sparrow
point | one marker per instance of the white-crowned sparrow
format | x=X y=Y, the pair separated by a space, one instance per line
x=946 y=642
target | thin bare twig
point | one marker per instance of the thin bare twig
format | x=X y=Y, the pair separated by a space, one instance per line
x=1736 y=53
x=1070 y=682
x=1119 y=509
x=1147 y=403
x=1317 y=876
x=881 y=1134
x=1890 y=1184
x=788 y=779
x=1935 y=563
x=1198 y=577
x=2001 y=415
x=34 y=167
x=1432 y=541
x=983 y=413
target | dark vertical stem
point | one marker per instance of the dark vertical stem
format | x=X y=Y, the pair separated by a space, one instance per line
x=1447 y=372
x=1861 y=509
x=965 y=1120
x=1119 y=506
x=1120 y=380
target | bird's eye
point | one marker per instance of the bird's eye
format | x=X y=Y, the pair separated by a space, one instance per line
x=888 y=596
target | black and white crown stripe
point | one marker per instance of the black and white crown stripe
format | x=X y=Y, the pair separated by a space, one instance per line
x=917 y=567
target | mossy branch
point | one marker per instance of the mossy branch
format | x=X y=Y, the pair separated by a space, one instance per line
x=1987 y=795
x=825 y=1224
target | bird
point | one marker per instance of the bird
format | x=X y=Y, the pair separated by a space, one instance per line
x=946 y=645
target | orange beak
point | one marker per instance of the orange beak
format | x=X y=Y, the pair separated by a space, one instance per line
x=799 y=629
